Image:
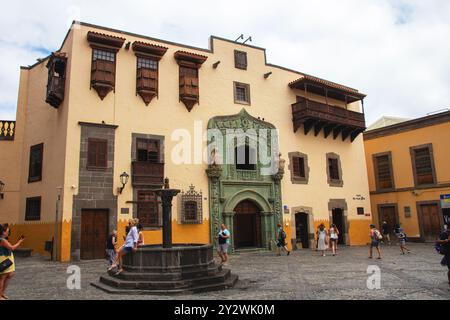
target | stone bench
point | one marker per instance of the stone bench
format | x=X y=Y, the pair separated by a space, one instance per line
x=23 y=252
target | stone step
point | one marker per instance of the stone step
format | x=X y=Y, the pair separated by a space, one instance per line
x=137 y=276
x=228 y=283
x=169 y=269
x=175 y=284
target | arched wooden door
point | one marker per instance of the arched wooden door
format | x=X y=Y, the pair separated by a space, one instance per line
x=247 y=225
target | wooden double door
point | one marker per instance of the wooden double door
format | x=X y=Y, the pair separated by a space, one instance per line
x=430 y=220
x=94 y=233
x=247 y=225
x=389 y=214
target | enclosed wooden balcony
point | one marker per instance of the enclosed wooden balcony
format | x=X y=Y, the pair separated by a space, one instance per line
x=333 y=120
x=145 y=173
x=7 y=130
x=56 y=79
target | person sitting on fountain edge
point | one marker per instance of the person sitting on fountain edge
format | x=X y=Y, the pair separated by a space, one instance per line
x=131 y=242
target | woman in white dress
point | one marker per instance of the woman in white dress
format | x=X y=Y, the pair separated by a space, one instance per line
x=322 y=242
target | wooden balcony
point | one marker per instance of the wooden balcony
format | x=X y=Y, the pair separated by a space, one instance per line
x=315 y=115
x=147 y=173
x=7 y=130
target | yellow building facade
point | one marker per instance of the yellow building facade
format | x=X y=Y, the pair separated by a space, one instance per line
x=409 y=178
x=101 y=122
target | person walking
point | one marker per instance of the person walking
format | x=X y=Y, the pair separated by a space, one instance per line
x=281 y=240
x=7 y=265
x=375 y=238
x=224 y=242
x=130 y=246
x=322 y=239
x=444 y=241
x=334 y=237
x=401 y=235
x=111 y=250
x=386 y=232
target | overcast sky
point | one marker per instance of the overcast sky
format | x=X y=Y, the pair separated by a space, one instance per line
x=395 y=51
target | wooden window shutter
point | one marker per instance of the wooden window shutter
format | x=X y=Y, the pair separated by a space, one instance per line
x=384 y=172
x=334 y=169
x=298 y=164
x=36 y=161
x=424 y=168
x=97 y=153
x=240 y=59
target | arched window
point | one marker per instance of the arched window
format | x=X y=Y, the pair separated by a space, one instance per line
x=245 y=158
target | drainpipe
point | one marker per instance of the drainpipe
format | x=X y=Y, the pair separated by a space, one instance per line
x=55 y=236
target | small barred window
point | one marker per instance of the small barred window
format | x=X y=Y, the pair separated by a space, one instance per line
x=191 y=207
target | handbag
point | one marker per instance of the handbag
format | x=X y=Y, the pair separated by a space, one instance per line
x=4 y=265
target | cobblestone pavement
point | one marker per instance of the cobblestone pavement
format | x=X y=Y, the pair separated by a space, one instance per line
x=303 y=275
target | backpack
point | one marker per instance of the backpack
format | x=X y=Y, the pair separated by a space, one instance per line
x=282 y=235
x=378 y=235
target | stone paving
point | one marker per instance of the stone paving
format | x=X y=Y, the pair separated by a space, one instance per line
x=262 y=275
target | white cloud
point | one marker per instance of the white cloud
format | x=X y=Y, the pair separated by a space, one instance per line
x=396 y=51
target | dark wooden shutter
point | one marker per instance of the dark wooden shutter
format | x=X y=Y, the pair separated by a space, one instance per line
x=97 y=153
x=33 y=209
x=298 y=166
x=35 y=165
x=333 y=168
x=148 y=209
x=240 y=59
x=424 y=168
x=384 y=172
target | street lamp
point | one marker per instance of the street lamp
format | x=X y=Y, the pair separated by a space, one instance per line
x=2 y=186
x=124 y=180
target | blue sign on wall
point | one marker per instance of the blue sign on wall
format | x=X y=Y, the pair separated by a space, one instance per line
x=445 y=201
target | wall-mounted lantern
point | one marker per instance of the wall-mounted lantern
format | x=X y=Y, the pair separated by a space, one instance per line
x=2 y=186
x=124 y=180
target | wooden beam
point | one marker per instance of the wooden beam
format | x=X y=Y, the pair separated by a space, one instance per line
x=307 y=126
x=328 y=129
x=346 y=132
x=355 y=134
x=319 y=125
x=336 y=131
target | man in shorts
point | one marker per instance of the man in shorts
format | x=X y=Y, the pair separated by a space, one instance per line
x=444 y=241
x=224 y=242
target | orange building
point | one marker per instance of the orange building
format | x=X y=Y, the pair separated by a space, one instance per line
x=409 y=174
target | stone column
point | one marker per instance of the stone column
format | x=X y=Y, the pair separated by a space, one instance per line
x=228 y=220
x=268 y=227
x=167 y=195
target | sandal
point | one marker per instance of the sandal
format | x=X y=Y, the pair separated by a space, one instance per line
x=119 y=272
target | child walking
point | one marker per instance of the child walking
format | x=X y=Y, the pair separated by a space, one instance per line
x=401 y=235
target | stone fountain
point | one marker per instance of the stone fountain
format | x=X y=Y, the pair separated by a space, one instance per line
x=168 y=268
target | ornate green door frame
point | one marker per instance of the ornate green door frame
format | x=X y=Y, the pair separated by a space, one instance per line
x=229 y=186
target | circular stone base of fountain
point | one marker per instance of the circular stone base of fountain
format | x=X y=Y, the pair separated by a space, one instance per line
x=156 y=270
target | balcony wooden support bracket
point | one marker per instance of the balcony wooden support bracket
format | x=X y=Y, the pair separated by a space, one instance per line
x=328 y=129
x=336 y=131
x=346 y=133
x=308 y=125
x=319 y=125
x=355 y=134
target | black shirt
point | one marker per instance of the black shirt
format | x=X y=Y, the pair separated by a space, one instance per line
x=385 y=228
x=109 y=242
x=444 y=236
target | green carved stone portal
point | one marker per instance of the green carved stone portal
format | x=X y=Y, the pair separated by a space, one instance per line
x=228 y=186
